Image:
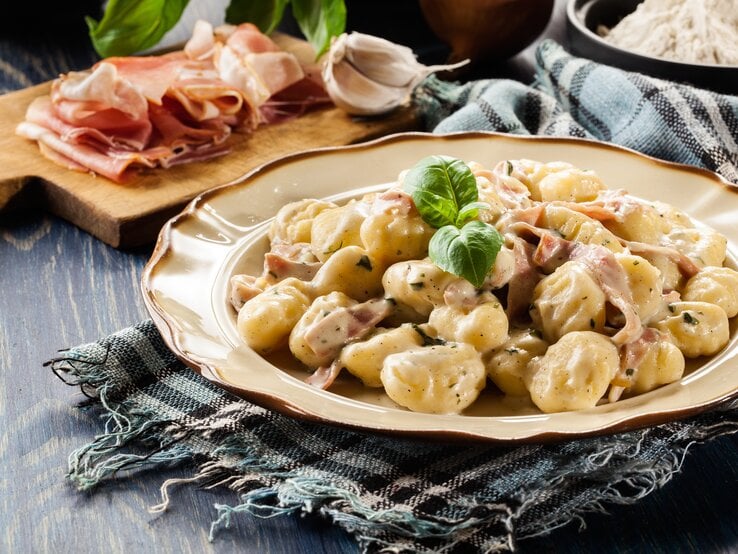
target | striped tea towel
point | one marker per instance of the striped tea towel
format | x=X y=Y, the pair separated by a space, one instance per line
x=393 y=495
x=397 y=495
x=577 y=97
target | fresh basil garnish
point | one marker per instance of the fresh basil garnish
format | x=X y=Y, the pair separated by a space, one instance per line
x=441 y=186
x=265 y=14
x=319 y=20
x=445 y=193
x=128 y=26
x=469 y=252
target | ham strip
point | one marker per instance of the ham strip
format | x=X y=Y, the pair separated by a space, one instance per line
x=294 y=100
x=524 y=280
x=128 y=133
x=112 y=167
x=328 y=335
x=243 y=288
x=151 y=75
x=393 y=201
x=632 y=354
x=611 y=278
x=460 y=294
x=323 y=377
x=291 y=260
x=604 y=268
x=687 y=267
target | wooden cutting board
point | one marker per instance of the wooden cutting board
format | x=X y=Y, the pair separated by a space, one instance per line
x=132 y=214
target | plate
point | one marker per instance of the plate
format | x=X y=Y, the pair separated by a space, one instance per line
x=222 y=232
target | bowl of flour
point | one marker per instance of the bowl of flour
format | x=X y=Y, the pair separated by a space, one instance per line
x=690 y=41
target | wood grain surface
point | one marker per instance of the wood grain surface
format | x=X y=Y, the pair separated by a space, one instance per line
x=60 y=287
x=131 y=214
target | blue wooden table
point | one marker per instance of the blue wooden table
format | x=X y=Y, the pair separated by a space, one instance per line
x=60 y=287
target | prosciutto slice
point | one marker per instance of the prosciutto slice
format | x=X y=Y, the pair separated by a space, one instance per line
x=129 y=113
x=330 y=334
x=686 y=266
x=323 y=377
x=604 y=268
x=524 y=280
x=291 y=260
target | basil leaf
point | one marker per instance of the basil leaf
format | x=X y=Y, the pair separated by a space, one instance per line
x=470 y=211
x=128 y=26
x=469 y=252
x=265 y=14
x=319 y=21
x=440 y=187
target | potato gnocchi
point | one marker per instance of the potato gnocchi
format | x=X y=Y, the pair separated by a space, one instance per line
x=619 y=291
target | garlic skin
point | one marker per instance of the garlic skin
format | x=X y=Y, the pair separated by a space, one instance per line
x=368 y=75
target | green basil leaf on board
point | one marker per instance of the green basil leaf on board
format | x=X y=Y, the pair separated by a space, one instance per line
x=319 y=21
x=469 y=252
x=441 y=186
x=132 y=25
x=265 y=14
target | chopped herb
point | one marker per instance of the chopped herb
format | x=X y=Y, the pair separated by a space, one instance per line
x=512 y=351
x=671 y=308
x=689 y=319
x=427 y=339
x=629 y=372
x=417 y=285
x=365 y=262
x=508 y=167
x=272 y=274
x=636 y=262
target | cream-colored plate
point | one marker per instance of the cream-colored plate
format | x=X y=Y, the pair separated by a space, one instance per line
x=222 y=232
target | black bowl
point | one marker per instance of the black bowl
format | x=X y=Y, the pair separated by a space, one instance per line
x=583 y=18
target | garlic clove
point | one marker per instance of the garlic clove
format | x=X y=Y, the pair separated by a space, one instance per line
x=354 y=93
x=367 y=75
x=381 y=60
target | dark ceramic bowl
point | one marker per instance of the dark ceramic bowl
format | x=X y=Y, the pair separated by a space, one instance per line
x=583 y=18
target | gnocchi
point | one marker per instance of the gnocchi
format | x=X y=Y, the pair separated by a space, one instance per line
x=618 y=290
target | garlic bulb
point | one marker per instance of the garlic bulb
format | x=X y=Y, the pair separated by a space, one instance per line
x=368 y=75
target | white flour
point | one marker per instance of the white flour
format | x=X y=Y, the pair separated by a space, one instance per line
x=693 y=31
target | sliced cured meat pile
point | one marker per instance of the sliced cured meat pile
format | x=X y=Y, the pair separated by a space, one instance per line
x=129 y=113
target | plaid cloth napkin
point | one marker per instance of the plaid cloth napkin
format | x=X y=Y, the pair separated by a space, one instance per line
x=580 y=98
x=397 y=494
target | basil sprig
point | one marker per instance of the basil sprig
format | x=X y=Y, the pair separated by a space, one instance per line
x=445 y=193
x=129 y=26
